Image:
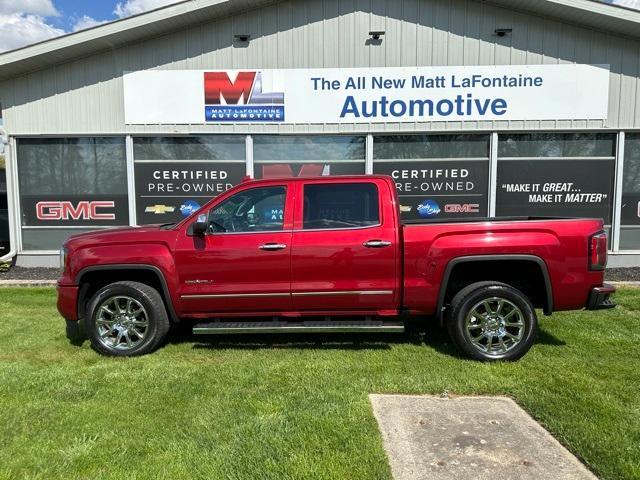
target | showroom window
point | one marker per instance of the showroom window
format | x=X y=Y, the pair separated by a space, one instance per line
x=69 y=185
x=437 y=176
x=175 y=176
x=277 y=156
x=556 y=175
x=630 y=218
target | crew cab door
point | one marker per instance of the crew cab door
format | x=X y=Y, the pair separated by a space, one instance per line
x=243 y=262
x=344 y=254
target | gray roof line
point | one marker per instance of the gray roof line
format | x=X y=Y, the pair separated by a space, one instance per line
x=591 y=13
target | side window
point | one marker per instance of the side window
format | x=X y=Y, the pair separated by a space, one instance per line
x=335 y=205
x=253 y=210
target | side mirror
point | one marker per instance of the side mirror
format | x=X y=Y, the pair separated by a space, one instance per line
x=201 y=225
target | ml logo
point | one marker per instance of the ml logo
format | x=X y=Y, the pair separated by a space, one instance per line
x=240 y=99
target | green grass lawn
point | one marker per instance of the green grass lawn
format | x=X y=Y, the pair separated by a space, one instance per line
x=284 y=407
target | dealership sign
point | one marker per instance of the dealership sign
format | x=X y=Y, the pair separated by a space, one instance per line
x=435 y=189
x=366 y=95
x=75 y=210
x=168 y=191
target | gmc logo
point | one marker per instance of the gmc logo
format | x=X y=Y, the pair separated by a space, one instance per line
x=65 y=210
x=462 y=208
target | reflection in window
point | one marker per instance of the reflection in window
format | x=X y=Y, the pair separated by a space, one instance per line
x=437 y=176
x=253 y=210
x=581 y=144
x=280 y=156
x=556 y=175
x=199 y=147
x=430 y=146
x=340 y=206
x=630 y=218
x=62 y=180
x=73 y=166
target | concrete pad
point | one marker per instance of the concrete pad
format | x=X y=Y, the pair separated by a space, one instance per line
x=435 y=438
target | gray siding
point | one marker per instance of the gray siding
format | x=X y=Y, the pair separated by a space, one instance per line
x=85 y=96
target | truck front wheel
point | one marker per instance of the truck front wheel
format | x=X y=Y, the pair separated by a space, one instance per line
x=125 y=319
x=492 y=321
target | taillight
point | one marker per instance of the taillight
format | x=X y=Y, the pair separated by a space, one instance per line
x=598 y=251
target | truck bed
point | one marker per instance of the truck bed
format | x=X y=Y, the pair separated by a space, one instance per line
x=560 y=244
x=426 y=221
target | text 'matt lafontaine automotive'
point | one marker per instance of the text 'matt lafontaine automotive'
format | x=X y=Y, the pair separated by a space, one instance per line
x=276 y=255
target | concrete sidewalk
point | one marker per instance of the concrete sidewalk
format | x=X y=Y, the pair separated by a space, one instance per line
x=28 y=283
x=435 y=438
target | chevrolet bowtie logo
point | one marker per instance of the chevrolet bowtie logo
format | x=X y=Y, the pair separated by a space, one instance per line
x=159 y=209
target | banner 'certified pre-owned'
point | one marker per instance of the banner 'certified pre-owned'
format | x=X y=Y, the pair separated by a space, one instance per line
x=439 y=188
x=170 y=191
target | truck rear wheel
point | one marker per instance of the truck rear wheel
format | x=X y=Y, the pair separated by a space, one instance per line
x=492 y=321
x=125 y=319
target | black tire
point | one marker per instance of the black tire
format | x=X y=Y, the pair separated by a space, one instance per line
x=151 y=307
x=484 y=322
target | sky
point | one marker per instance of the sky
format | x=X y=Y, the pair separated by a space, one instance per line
x=23 y=22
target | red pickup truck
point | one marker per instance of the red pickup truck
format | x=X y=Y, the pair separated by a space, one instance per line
x=324 y=255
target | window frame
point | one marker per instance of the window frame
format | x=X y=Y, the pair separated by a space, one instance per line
x=287 y=199
x=300 y=226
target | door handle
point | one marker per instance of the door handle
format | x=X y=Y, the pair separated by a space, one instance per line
x=273 y=246
x=376 y=243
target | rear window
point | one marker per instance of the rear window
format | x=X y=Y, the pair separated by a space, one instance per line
x=332 y=206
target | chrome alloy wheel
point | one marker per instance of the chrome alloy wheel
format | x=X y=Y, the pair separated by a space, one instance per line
x=495 y=326
x=121 y=322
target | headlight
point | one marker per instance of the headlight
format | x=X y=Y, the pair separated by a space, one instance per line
x=63 y=258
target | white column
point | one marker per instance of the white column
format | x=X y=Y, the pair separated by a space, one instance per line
x=493 y=173
x=131 y=184
x=368 y=152
x=617 y=196
x=12 y=196
x=249 y=154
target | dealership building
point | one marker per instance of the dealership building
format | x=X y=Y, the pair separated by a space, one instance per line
x=476 y=108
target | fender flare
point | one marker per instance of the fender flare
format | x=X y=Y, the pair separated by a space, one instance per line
x=548 y=304
x=134 y=266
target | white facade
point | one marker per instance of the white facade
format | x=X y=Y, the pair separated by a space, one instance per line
x=81 y=93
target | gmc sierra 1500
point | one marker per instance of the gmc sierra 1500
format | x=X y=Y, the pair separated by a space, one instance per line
x=290 y=250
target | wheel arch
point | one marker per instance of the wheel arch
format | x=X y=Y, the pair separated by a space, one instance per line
x=138 y=272
x=547 y=300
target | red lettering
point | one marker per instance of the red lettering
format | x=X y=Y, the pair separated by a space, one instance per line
x=65 y=210
x=102 y=216
x=218 y=85
x=462 y=208
x=82 y=211
x=48 y=210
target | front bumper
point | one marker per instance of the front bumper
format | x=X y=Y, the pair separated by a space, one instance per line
x=68 y=301
x=599 y=298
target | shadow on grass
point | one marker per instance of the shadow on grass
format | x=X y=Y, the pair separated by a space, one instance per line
x=431 y=336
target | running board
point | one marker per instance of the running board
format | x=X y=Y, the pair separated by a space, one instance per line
x=332 y=326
